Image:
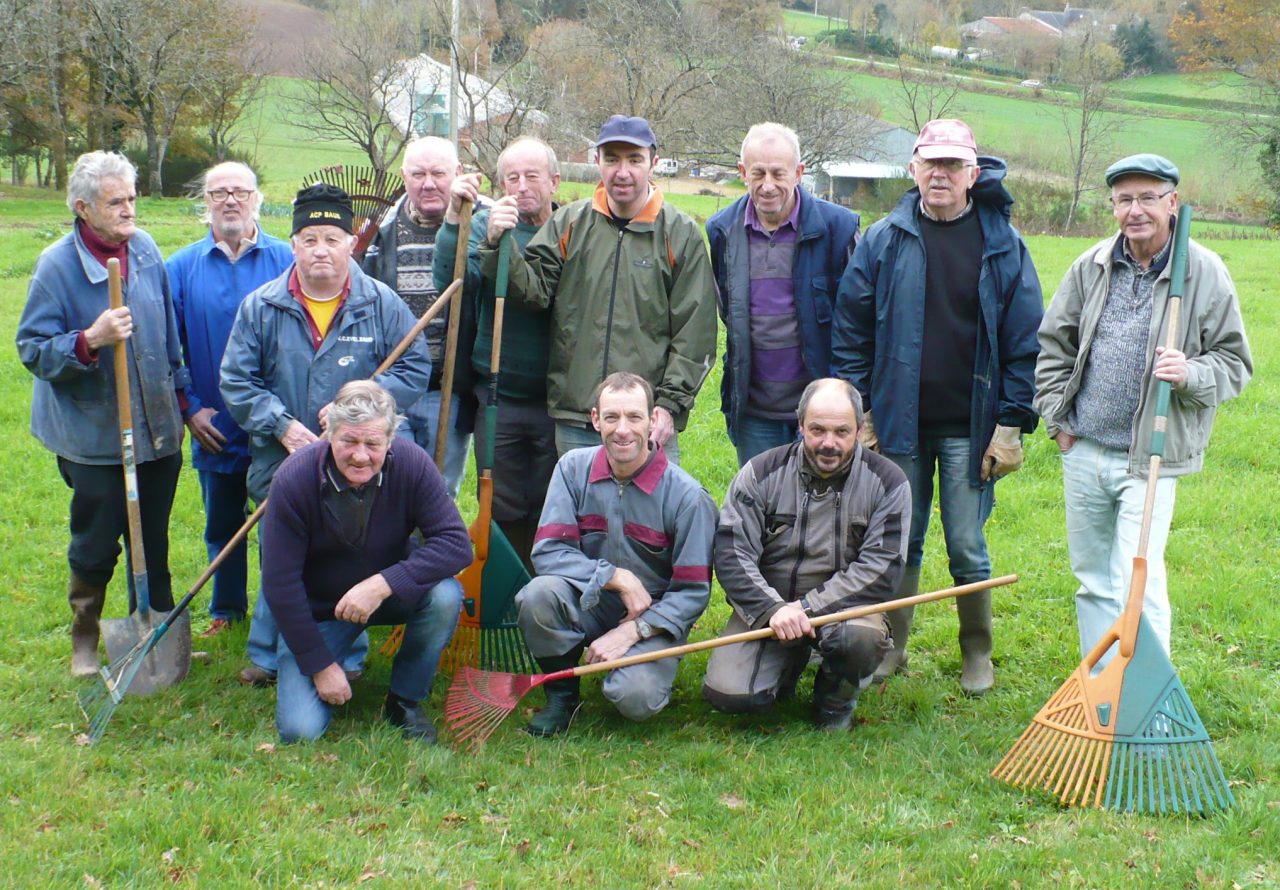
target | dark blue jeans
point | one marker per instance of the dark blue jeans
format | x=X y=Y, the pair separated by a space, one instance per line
x=226 y=498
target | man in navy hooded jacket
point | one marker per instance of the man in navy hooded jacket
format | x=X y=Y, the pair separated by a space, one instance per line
x=935 y=325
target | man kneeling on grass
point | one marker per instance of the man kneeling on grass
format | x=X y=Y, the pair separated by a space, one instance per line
x=337 y=555
x=623 y=553
x=807 y=529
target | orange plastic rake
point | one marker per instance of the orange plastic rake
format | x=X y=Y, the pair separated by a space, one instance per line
x=479 y=701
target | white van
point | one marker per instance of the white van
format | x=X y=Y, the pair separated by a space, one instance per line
x=667 y=167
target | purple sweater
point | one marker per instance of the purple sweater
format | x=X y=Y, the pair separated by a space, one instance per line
x=308 y=565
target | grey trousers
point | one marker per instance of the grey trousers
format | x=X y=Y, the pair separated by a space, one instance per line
x=554 y=625
x=744 y=678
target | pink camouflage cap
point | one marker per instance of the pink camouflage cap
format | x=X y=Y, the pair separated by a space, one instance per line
x=947 y=138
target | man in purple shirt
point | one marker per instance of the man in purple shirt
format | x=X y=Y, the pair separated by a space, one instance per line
x=778 y=254
x=359 y=530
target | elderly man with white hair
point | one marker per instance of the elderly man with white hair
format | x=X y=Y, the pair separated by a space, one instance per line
x=400 y=256
x=358 y=531
x=209 y=279
x=778 y=253
x=66 y=339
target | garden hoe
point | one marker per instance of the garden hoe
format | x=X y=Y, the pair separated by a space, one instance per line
x=479 y=701
x=1129 y=738
x=166 y=664
x=123 y=673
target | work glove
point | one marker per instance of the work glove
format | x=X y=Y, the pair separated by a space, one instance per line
x=1004 y=454
x=867 y=434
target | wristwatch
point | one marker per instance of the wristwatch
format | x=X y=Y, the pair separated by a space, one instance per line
x=644 y=628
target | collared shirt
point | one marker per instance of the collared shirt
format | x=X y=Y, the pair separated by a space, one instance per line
x=295 y=290
x=247 y=243
x=351 y=506
x=1112 y=383
x=968 y=208
x=778 y=372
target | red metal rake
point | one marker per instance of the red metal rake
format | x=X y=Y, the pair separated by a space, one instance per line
x=478 y=701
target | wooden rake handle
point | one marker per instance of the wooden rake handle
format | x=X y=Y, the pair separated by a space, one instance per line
x=451 y=337
x=765 y=633
x=1160 y=425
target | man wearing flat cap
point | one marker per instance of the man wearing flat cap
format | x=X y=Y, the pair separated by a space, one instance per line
x=629 y=284
x=1102 y=357
x=935 y=324
x=295 y=341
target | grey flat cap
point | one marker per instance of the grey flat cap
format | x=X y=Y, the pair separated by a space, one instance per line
x=1143 y=165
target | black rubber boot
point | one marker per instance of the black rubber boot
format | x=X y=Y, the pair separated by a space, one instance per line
x=977 y=674
x=409 y=717
x=899 y=627
x=834 y=698
x=86 y=608
x=563 y=697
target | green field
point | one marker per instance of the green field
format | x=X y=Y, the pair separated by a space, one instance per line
x=191 y=787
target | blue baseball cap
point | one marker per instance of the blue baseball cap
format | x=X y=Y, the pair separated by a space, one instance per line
x=632 y=130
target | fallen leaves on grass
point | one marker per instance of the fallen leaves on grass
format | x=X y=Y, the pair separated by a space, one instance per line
x=266 y=748
x=732 y=801
x=369 y=874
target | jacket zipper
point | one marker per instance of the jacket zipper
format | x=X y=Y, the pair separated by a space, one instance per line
x=804 y=526
x=836 y=536
x=613 y=295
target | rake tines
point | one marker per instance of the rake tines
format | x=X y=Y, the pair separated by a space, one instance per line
x=479 y=701
x=99 y=703
x=370 y=192
x=1128 y=739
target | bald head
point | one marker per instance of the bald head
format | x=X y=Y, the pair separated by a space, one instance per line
x=830 y=414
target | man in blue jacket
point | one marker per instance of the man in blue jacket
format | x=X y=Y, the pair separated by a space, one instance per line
x=295 y=341
x=935 y=325
x=209 y=279
x=778 y=253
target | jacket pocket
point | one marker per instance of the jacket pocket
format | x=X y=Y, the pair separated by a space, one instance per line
x=855 y=535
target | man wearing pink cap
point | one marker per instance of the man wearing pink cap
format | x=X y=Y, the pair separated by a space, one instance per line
x=935 y=325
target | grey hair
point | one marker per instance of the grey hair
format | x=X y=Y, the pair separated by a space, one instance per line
x=767 y=130
x=553 y=163
x=198 y=188
x=93 y=167
x=432 y=142
x=362 y=401
x=850 y=391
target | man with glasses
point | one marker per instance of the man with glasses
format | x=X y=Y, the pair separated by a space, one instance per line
x=935 y=325
x=209 y=279
x=1102 y=357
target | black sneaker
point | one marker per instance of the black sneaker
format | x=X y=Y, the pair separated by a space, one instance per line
x=410 y=718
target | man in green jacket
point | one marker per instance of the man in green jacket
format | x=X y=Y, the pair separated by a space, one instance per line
x=629 y=285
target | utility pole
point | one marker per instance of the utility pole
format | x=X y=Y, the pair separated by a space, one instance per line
x=455 y=32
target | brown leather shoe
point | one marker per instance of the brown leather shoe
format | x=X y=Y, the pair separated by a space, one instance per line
x=217 y=626
x=256 y=677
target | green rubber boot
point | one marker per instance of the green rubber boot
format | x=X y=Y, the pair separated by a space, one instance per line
x=86 y=602
x=900 y=627
x=977 y=675
x=563 y=697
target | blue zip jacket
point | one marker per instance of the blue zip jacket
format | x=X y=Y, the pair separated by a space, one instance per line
x=207 y=290
x=879 y=322
x=827 y=237
x=73 y=405
x=272 y=375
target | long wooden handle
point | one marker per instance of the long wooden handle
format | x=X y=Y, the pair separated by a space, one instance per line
x=765 y=633
x=124 y=408
x=451 y=338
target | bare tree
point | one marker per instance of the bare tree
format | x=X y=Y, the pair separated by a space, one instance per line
x=1089 y=64
x=232 y=87
x=157 y=56
x=775 y=83
x=360 y=74
x=927 y=92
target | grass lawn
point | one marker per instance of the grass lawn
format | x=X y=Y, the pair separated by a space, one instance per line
x=191 y=786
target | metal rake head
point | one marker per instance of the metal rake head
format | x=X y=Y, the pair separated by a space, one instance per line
x=478 y=701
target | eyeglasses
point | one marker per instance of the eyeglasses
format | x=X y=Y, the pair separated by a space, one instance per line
x=1146 y=201
x=951 y=166
x=220 y=195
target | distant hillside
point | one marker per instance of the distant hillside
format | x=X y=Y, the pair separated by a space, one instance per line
x=284 y=27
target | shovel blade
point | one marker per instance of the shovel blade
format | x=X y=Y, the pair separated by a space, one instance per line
x=167 y=660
